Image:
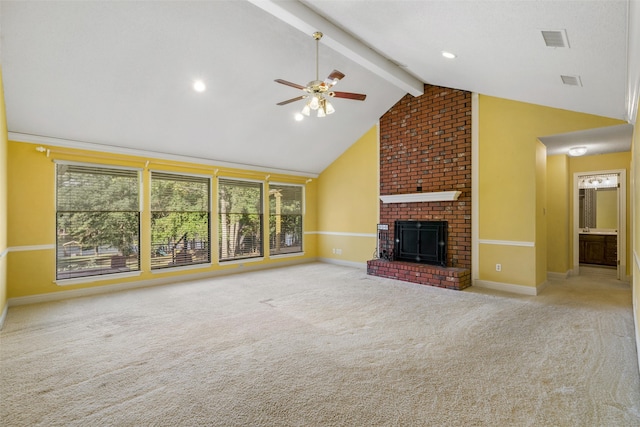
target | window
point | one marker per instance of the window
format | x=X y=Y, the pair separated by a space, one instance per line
x=97 y=220
x=285 y=219
x=180 y=220
x=240 y=223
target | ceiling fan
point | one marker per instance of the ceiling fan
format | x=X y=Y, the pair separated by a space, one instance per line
x=317 y=90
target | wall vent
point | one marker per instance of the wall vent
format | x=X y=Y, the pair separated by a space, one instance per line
x=555 y=38
x=571 y=80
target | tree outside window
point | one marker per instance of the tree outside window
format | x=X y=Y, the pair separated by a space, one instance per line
x=240 y=219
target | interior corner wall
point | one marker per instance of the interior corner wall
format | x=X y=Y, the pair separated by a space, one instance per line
x=633 y=98
x=558 y=214
x=3 y=205
x=347 y=200
x=541 y=213
x=507 y=185
x=635 y=231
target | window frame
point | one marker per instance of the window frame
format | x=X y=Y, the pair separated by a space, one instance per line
x=240 y=259
x=101 y=274
x=208 y=178
x=302 y=215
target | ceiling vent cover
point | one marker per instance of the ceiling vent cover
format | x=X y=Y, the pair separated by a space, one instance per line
x=555 y=38
x=571 y=80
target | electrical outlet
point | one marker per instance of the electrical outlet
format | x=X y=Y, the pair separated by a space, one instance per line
x=333 y=250
x=498 y=267
x=339 y=251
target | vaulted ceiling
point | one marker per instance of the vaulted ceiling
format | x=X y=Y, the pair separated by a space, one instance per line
x=120 y=74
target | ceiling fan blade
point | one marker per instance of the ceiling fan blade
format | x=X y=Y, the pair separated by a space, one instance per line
x=284 y=82
x=291 y=100
x=334 y=77
x=349 y=95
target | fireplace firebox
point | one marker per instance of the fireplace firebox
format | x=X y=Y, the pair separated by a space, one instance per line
x=422 y=242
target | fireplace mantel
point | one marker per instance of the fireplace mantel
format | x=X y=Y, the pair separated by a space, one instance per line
x=439 y=196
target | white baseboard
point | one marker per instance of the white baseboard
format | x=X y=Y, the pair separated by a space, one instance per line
x=97 y=290
x=508 y=287
x=3 y=316
x=362 y=265
x=552 y=275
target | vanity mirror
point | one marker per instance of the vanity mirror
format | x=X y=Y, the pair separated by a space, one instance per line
x=598 y=202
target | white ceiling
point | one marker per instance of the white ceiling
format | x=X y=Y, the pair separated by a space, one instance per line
x=612 y=139
x=120 y=73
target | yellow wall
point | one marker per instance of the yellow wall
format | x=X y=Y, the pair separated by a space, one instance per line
x=348 y=205
x=606 y=203
x=3 y=204
x=31 y=219
x=511 y=194
x=558 y=194
x=541 y=213
x=635 y=230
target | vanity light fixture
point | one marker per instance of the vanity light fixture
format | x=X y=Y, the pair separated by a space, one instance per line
x=577 y=151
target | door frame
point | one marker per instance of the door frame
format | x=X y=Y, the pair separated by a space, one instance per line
x=622 y=221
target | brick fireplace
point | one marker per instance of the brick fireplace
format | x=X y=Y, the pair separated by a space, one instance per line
x=425 y=154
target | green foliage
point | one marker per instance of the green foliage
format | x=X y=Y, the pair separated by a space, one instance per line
x=99 y=209
x=179 y=206
x=94 y=229
x=240 y=225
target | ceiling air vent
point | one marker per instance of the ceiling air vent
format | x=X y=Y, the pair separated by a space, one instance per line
x=555 y=38
x=571 y=80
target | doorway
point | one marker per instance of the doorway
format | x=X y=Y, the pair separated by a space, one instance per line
x=599 y=223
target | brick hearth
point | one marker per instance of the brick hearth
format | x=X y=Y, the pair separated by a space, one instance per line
x=433 y=275
x=425 y=147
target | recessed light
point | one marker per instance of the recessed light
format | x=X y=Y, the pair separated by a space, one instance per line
x=448 y=55
x=298 y=117
x=199 y=86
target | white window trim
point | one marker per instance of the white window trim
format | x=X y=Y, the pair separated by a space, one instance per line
x=99 y=277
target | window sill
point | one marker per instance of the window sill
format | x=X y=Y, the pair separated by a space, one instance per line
x=241 y=261
x=289 y=255
x=98 y=278
x=181 y=268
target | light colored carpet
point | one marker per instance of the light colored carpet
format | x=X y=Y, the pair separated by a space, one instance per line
x=323 y=345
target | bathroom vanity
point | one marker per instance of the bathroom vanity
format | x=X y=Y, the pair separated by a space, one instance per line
x=599 y=247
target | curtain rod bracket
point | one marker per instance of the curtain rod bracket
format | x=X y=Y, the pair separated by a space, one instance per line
x=42 y=150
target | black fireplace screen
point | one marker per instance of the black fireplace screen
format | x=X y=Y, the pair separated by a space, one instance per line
x=423 y=242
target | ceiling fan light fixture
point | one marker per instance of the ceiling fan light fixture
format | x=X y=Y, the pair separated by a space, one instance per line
x=317 y=90
x=328 y=107
x=577 y=151
x=314 y=103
